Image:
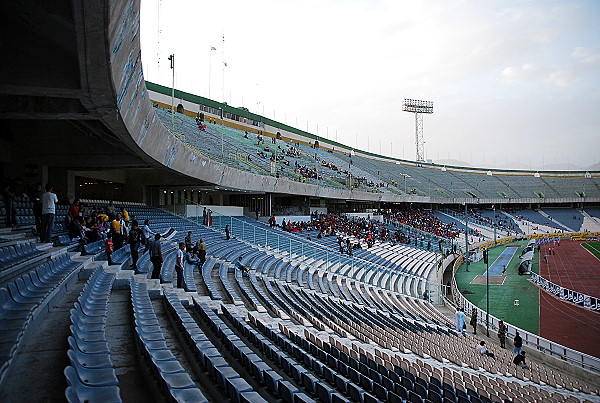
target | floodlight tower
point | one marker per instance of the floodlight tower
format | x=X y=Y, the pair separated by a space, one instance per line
x=418 y=108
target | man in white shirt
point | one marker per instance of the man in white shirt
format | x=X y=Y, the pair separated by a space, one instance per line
x=49 y=201
x=483 y=350
x=179 y=265
x=147 y=235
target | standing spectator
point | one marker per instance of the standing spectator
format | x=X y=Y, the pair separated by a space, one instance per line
x=502 y=334
x=519 y=360
x=10 y=191
x=147 y=234
x=257 y=214
x=460 y=321
x=227 y=232
x=518 y=343
x=179 y=265
x=109 y=248
x=135 y=239
x=483 y=350
x=49 y=201
x=188 y=240
x=473 y=321
x=156 y=256
x=125 y=215
x=119 y=231
x=73 y=211
x=110 y=210
x=204 y=217
x=201 y=251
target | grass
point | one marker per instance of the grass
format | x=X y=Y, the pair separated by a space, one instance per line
x=593 y=247
x=502 y=297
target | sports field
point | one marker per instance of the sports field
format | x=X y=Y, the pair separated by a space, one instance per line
x=502 y=297
x=575 y=266
x=593 y=247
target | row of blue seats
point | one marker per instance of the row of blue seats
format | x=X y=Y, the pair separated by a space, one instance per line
x=91 y=376
x=314 y=373
x=171 y=379
x=247 y=292
x=387 y=384
x=297 y=370
x=206 y=355
x=207 y=270
x=20 y=300
x=18 y=253
x=224 y=269
x=237 y=387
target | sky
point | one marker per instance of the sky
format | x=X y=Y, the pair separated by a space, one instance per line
x=515 y=84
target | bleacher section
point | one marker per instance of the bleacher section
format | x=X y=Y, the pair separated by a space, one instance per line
x=296 y=328
x=231 y=146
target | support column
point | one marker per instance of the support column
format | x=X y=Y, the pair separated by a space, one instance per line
x=71 y=185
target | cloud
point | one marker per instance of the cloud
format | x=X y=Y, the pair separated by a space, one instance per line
x=585 y=55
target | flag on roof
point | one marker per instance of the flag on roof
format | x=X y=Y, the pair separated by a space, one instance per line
x=213 y=48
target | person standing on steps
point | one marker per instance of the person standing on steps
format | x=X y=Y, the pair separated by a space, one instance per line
x=179 y=265
x=502 y=334
x=473 y=321
x=201 y=251
x=156 y=256
x=134 y=240
x=227 y=232
x=147 y=235
x=49 y=200
x=460 y=321
x=518 y=344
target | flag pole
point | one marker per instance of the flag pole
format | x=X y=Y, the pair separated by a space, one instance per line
x=209 y=68
x=172 y=59
x=223 y=67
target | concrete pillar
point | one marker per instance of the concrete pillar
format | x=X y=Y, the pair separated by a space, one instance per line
x=43 y=175
x=71 y=185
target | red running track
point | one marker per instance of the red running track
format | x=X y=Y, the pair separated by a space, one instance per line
x=572 y=267
x=573 y=326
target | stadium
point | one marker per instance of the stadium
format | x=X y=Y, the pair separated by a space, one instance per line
x=161 y=245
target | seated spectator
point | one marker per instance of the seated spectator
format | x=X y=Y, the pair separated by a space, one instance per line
x=519 y=360
x=190 y=257
x=239 y=265
x=483 y=350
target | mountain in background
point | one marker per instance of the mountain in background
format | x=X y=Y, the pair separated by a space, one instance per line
x=523 y=166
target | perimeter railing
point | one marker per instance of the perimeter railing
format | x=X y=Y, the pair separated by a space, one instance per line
x=530 y=339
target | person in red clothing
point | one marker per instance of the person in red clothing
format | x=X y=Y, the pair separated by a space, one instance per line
x=109 y=248
x=73 y=210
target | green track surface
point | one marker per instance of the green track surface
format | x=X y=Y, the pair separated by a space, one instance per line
x=502 y=297
x=593 y=247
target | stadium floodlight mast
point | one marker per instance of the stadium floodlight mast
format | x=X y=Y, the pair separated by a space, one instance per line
x=418 y=107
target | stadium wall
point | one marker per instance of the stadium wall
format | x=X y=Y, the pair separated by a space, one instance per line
x=118 y=84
